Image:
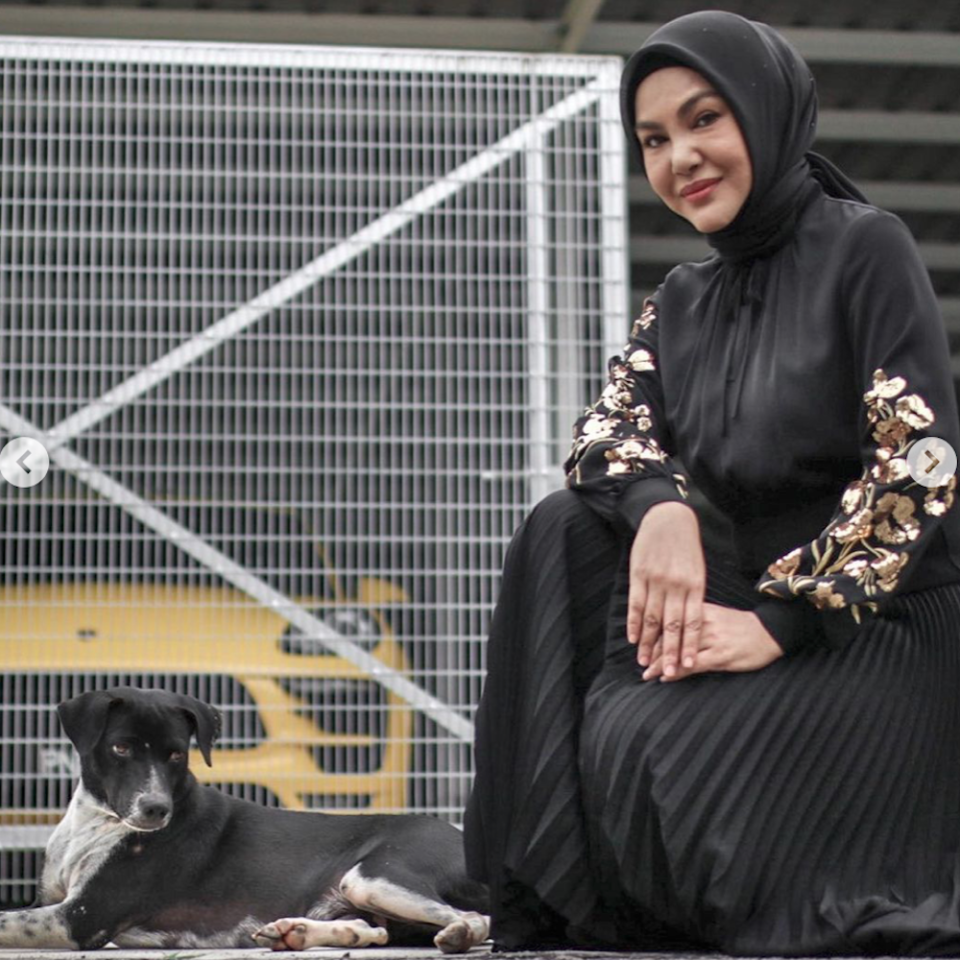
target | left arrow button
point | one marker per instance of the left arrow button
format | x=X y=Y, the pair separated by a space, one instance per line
x=13 y=462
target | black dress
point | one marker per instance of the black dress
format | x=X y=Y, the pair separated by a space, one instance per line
x=813 y=806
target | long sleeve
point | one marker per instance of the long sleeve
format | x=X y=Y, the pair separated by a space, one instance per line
x=884 y=520
x=620 y=459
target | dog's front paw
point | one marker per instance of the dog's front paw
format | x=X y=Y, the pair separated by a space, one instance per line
x=465 y=932
x=282 y=935
x=378 y=936
x=454 y=938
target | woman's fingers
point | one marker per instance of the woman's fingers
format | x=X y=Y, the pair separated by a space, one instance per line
x=704 y=664
x=664 y=666
x=644 y=617
x=675 y=618
x=680 y=655
x=651 y=622
x=636 y=601
x=674 y=638
x=655 y=667
x=692 y=628
x=666 y=568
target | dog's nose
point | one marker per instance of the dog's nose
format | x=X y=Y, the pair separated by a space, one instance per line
x=153 y=809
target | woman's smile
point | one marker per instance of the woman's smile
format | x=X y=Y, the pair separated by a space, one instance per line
x=700 y=190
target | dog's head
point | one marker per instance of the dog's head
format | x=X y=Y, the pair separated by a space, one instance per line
x=133 y=748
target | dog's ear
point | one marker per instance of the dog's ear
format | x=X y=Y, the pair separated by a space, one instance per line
x=206 y=723
x=84 y=718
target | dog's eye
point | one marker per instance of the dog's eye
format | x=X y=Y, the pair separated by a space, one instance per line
x=177 y=756
x=121 y=749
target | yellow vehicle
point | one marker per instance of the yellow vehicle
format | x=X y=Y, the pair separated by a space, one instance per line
x=301 y=728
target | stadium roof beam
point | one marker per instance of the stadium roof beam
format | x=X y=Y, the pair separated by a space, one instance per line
x=818 y=45
x=575 y=23
x=885 y=126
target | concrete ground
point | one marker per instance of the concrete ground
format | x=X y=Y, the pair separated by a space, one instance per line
x=337 y=953
x=370 y=953
x=363 y=953
x=317 y=953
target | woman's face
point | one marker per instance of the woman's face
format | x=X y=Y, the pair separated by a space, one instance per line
x=694 y=153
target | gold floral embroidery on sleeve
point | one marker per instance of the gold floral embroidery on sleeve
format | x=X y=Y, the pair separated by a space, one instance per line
x=866 y=543
x=647 y=316
x=628 y=457
x=616 y=410
x=937 y=504
x=617 y=417
x=640 y=360
x=618 y=423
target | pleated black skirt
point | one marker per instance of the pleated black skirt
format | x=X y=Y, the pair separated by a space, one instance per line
x=808 y=808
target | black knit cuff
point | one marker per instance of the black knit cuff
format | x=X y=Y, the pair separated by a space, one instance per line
x=839 y=626
x=794 y=624
x=638 y=497
x=797 y=624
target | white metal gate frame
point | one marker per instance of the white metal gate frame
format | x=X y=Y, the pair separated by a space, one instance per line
x=529 y=137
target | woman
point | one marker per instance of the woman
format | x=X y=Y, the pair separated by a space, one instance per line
x=760 y=754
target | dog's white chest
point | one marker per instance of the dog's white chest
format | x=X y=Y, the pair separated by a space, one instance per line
x=82 y=841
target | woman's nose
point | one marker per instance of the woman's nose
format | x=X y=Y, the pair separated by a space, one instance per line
x=685 y=156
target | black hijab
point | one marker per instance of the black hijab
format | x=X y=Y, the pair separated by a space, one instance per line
x=773 y=96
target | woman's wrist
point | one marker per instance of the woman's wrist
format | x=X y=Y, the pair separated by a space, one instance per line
x=672 y=511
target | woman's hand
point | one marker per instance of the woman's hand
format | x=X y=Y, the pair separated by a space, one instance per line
x=731 y=639
x=667 y=582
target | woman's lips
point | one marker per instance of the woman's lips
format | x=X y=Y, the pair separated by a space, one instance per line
x=699 y=189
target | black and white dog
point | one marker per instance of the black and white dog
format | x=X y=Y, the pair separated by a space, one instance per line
x=148 y=857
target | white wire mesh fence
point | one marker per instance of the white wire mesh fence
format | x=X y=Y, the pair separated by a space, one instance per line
x=303 y=331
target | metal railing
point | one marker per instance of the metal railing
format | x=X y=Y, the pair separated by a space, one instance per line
x=303 y=331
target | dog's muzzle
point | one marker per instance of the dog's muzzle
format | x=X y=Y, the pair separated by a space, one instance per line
x=151 y=811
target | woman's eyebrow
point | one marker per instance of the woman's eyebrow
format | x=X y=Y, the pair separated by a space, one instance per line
x=682 y=111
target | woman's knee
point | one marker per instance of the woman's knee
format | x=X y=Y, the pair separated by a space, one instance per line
x=563 y=524
x=560 y=509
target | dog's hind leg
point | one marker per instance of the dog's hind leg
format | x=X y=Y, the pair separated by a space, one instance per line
x=300 y=933
x=459 y=929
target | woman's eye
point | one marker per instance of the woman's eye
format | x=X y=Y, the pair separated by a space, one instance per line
x=654 y=140
x=121 y=749
x=705 y=119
